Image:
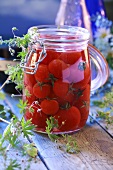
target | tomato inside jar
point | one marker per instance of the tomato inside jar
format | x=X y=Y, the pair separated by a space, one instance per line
x=59 y=89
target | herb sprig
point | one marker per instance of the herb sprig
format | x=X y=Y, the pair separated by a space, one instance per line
x=107 y=102
x=16 y=127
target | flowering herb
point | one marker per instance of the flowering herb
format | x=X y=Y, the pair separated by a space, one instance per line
x=51 y=124
x=16 y=127
x=107 y=102
x=103 y=38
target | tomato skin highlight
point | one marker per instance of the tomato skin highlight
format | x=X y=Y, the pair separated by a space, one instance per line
x=79 y=77
x=41 y=91
x=49 y=107
x=68 y=119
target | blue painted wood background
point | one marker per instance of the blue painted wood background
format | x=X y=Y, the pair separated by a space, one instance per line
x=26 y=13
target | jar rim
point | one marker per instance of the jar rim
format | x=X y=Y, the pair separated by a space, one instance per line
x=57 y=34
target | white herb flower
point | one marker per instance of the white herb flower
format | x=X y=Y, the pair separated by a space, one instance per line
x=103 y=45
x=102 y=33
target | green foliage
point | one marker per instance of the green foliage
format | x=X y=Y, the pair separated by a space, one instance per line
x=51 y=124
x=16 y=75
x=4 y=110
x=106 y=116
x=27 y=126
x=13 y=165
x=71 y=144
x=99 y=104
x=23 y=42
x=16 y=72
x=110 y=60
x=31 y=149
x=27 y=94
x=22 y=54
x=107 y=102
x=2 y=96
x=22 y=105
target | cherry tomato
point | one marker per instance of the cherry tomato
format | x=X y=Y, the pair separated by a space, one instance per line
x=38 y=117
x=69 y=97
x=29 y=80
x=42 y=73
x=82 y=104
x=60 y=88
x=50 y=55
x=41 y=91
x=59 y=69
x=84 y=111
x=68 y=119
x=70 y=57
x=49 y=107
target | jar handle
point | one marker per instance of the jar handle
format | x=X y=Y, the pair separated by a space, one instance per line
x=99 y=68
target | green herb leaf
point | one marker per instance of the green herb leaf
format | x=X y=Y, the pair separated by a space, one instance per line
x=27 y=127
x=13 y=165
x=31 y=149
x=51 y=123
x=22 y=106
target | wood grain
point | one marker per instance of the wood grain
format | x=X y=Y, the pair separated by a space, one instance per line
x=17 y=154
x=100 y=121
x=96 y=149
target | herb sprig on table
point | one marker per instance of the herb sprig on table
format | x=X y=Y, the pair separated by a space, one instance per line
x=106 y=102
x=17 y=127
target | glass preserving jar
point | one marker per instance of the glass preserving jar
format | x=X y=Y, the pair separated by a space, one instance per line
x=59 y=78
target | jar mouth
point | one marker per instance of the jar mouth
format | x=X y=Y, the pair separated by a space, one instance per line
x=53 y=33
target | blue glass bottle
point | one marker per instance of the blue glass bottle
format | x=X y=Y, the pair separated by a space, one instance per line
x=73 y=13
x=95 y=9
x=80 y=13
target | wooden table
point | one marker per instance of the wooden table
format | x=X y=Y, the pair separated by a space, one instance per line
x=94 y=141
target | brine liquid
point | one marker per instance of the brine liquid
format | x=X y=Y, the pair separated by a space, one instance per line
x=59 y=91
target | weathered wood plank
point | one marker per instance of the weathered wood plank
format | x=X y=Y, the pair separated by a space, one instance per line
x=100 y=121
x=23 y=160
x=17 y=154
x=96 y=149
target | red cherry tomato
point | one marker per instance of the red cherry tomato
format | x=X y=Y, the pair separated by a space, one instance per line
x=59 y=69
x=42 y=73
x=82 y=104
x=38 y=117
x=60 y=88
x=50 y=55
x=49 y=107
x=68 y=119
x=70 y=57
x=41 y=91
x=29 y=80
